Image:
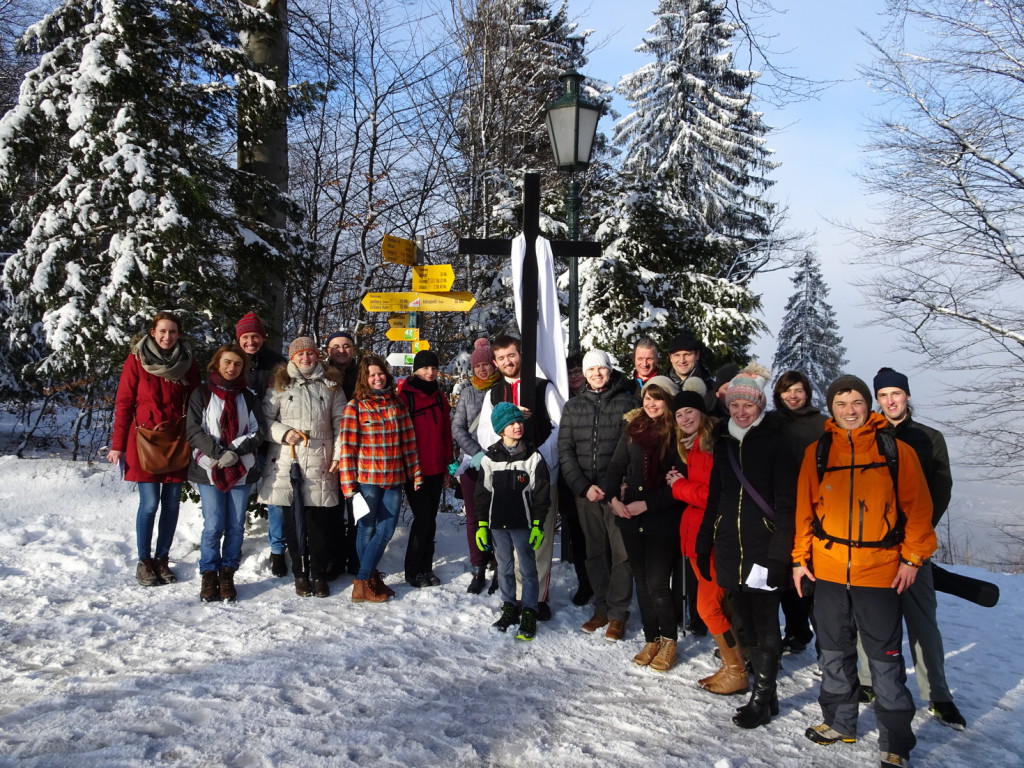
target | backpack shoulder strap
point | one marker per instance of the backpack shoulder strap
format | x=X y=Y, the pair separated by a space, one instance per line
x=821 y=454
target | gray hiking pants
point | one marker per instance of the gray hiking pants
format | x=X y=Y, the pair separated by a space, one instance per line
x=608 y=569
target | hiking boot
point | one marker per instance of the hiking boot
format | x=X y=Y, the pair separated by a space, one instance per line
x=163 y=570
x=646 y=656
x=583 y=595
x=476 y=586
x=825 y=734
x=527 y=626
x=892 y=760
x=543 y=612
x=796 y=643
x=430 y=579
x=376 y=581
x=866 y=694
x=359 y=591
x=278 y=565
x=227 y=585
x=947 y=714
x=145 y=573
x=665 y=659
x=320 y=588
x=509 y=617
x=303 y=587
x=375 y=591
x=732 y=677
x=595 y=622
x=616 y=630
x=209 y=590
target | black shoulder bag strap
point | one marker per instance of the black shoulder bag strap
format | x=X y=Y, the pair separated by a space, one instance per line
x=751 y=491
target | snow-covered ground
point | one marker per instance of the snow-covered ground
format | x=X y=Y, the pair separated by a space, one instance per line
x=97 y=671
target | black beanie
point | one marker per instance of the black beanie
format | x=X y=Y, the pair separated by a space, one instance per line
x=688 y=398
x=684 y=342
x=847 y=383
x=425 y=359
x=887 y=377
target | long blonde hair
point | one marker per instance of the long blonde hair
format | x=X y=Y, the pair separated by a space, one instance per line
x=705 y=436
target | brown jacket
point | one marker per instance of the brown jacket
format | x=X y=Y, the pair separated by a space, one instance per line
x=859 y=504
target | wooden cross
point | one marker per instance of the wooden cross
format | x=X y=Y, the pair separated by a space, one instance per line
x=498 y=247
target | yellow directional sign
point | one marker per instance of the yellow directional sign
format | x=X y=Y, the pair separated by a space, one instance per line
x=419 y=346
x=398 y=321
x=435 y=277
x=403 y=334
x=410 y=301
x=398 y=250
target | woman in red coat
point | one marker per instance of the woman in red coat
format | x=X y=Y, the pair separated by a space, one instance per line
x=431 y=420
x=694 y=429
x=156 y=381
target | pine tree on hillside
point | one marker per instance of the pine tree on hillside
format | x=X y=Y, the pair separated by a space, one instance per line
x=125 y=196
x=809 y=339
x=686 y=232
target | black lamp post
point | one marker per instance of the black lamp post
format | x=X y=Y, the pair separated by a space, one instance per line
x=572 y=125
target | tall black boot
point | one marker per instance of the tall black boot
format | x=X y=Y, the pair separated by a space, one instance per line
x=764 y=701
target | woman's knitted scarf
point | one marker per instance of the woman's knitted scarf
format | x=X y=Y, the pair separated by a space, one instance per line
x=224 y=478
x=172 y=364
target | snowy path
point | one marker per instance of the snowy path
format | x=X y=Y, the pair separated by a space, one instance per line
x=96 y=671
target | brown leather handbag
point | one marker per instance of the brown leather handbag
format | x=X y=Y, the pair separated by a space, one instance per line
x=164 y=449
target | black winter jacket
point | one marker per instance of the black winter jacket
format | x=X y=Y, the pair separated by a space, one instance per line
x=734 y=524
x=589 y=432
x=513 y=489
x=802 y=426
x=930 y=447
x=626 y=466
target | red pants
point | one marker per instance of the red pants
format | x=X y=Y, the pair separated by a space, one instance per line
x=709 y=600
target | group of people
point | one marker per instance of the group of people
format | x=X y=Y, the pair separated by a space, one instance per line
x=672 y=477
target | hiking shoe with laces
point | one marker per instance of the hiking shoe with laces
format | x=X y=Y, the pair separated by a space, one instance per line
x=509 y=617
x=527 y=626
x=163 y=570
x=209 y=590
x=892 y=760
x=825 y=734
x=227 y=584
x=947 y=714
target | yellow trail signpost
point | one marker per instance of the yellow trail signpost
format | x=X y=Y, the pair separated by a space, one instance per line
x=403 y=334
x=433 y=278
x=411 y=301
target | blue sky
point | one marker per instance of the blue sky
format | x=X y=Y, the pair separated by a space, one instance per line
x=816 y=141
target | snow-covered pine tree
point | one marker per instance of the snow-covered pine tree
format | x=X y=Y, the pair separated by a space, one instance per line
x=125 y=196
x=682 y=239
x=809 y=339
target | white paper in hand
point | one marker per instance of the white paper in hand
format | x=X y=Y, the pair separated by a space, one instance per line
x=758 y=578
x=359 y=506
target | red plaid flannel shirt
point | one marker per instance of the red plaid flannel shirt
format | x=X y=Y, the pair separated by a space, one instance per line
x=378 y=445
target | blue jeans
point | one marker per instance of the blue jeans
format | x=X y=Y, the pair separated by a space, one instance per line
x=375 y=529
x=223 y=518
x=166 y=497
x=510 y=544
x=275 y=528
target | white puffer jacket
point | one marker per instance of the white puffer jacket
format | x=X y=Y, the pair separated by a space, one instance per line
x=313 y=405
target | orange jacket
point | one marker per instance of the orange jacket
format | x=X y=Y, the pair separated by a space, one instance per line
x=859 y=504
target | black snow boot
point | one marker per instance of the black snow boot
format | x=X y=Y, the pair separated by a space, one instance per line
x=764 y=701
x=476 y=586
x=509 y=617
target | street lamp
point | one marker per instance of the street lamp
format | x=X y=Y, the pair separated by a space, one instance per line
x=572 y=125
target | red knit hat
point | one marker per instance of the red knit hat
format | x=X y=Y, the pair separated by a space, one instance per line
x=250 y=323
x=481 y=353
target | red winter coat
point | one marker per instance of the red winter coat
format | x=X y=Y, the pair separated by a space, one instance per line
x=148 y=400
x=431 y=420
x=693 y=489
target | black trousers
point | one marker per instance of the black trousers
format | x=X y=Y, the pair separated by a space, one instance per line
x=652 y=558
x=317 y=519
x=759 y=620
x=419 y=554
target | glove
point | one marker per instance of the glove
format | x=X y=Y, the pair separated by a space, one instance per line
x=536 y=535
x=779 y=574
x=475 y=461
x=483 y=537
x=227 y=459
x=453 y=468
x=704 y=565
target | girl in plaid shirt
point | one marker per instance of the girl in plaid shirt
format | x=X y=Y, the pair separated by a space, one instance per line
x=378 y=454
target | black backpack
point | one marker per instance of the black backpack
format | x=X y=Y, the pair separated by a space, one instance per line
x=886 y=441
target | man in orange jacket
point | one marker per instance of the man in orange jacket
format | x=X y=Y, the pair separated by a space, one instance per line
x=859 y=540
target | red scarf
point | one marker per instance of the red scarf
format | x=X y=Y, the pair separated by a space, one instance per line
x=224 y=478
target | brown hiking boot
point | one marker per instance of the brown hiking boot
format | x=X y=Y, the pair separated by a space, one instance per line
x=377 y=582
x=646 y=656
x=359 y=591
x=209 y=590
x=163 y=570
x=616 y=631
x=145 y=573
x=227 y=585
x=596 y=621
x=302 y=587
x=373 y=593
x=666 y=658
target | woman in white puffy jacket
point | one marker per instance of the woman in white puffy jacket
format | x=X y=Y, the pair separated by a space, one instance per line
x=303 y=408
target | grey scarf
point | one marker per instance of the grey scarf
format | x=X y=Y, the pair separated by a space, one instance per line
x=172 y=364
